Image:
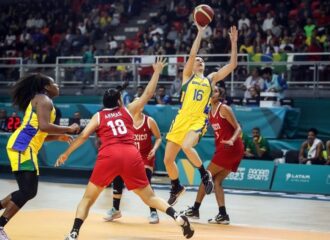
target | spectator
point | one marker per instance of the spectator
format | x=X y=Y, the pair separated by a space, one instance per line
x=75 y=119
x=257 y=147
x=243 y=20
x=161 y=97
x=125 y=95
x=273 y=82
x=311 y=150
x=139 y=91
x=253 y=84
x=268 y=22
x=3 y=120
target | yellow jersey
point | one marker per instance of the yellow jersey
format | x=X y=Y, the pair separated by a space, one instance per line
x=195 y=96
x=28 y=134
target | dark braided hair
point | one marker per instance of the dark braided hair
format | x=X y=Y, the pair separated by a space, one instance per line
x=27 y=87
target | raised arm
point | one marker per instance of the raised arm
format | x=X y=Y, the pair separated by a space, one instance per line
x=188 y=68
x=83 y=136
x=148 y=93
x=227 y=69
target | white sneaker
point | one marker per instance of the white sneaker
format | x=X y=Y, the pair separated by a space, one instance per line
x=3 y=235
x=112 y=214
x=153 y=219
x=72 y=236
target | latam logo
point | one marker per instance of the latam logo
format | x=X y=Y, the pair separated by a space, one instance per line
x=299 y=178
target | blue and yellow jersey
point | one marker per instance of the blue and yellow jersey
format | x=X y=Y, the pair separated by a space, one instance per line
x=195 y=96
x=28 y=134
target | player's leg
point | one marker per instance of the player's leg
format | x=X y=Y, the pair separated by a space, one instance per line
x=171 y=151
x=222 y=217
x=193 y=211
x=91 y=194
x=4 y=202
x=153 y=218
x=114 y=212
x=189 y=142
x=27 y=189
x=149 y=198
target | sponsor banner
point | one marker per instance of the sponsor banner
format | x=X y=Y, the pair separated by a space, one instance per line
x=251 y=174
x=302 y=179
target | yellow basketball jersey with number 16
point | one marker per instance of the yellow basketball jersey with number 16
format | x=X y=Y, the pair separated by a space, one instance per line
x=195 y=96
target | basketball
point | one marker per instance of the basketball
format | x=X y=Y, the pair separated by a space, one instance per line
x=203 y=14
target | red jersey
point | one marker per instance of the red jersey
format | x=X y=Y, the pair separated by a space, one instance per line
x=115 y=127
x=223 y=130
x=143 y=140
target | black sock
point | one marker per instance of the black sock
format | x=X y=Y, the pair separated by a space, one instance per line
x=222 y=210
x=3 y=221
x=77 y=225
x=171 y=212
x=196 y=206
x=175 y=183
x=1 y=207
x=153 y=209
x=202 y=170
x=116 y=203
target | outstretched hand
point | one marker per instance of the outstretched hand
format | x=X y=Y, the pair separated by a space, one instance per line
x=199 y=27
x=233 y=34
x=61 y=160
x=159 y=64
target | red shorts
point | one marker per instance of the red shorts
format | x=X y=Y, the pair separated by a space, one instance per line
x=120 y=160
x=229 y=157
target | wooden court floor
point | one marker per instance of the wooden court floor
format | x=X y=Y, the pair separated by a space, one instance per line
x=50 y=217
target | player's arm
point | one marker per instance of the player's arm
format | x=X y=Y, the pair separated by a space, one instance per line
x=148 y=93
x=61 y=138
x=188 y=68
x=227 y=69
x=82 y=137
x=155 y=131
x=318 y=152
x=228 y=114
x=44 y=107
x=302 y=159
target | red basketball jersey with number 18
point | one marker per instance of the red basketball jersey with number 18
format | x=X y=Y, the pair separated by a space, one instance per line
x=115 y=127
x=143 y=140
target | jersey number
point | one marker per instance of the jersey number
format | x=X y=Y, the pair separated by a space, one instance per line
x=198 y=95
x=137 y=144
x=118 y=127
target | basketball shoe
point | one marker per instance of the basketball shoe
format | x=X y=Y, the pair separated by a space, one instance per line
x=72 y=236
x=208 y=182
x=191 y=213
x=175 y=194
x=3 y=235
x=112 y=214
x=187 y=230
x=153 y=219
x=220 y=219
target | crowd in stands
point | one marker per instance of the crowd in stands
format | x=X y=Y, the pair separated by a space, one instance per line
x=39 y=31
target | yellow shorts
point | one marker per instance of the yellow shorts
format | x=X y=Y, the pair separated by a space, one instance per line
x=23 y=161
x=183 y=124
